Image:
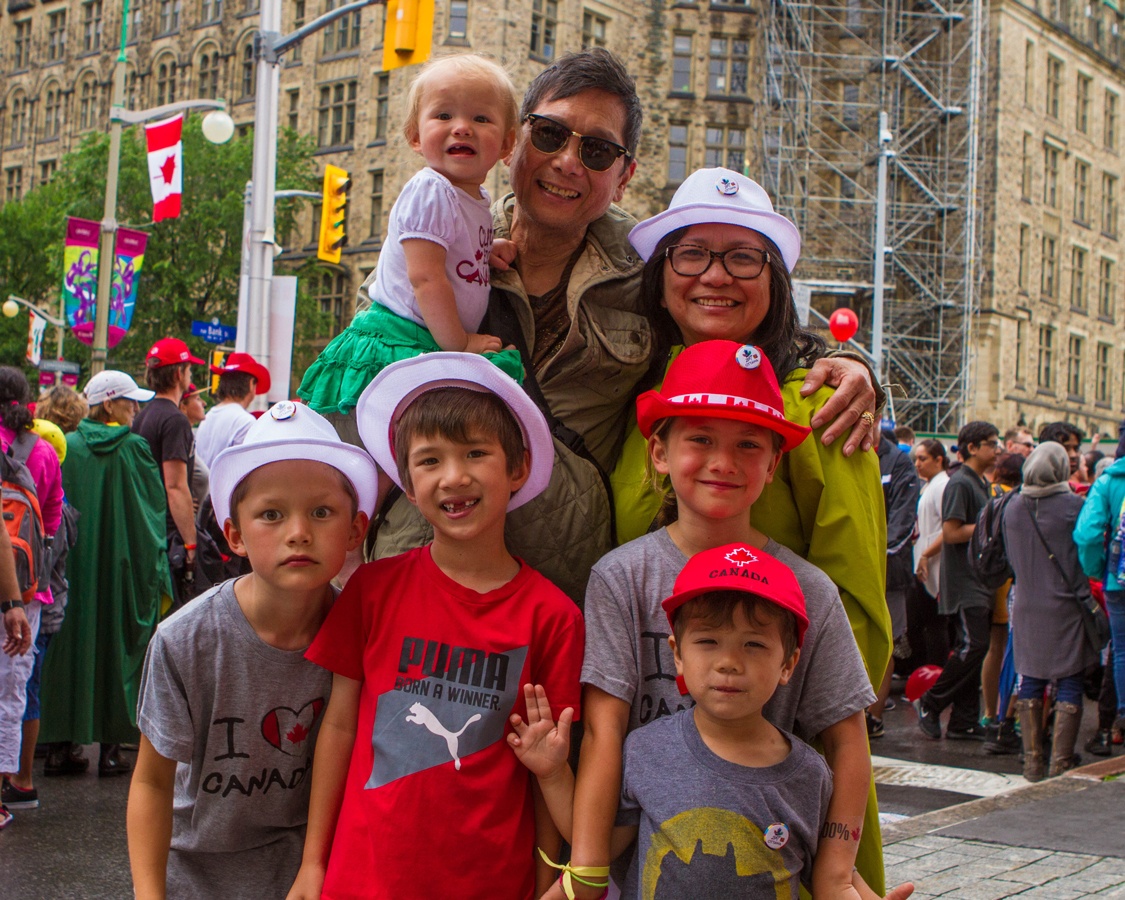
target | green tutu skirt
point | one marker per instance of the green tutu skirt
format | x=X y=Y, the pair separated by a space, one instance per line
x=375 y=339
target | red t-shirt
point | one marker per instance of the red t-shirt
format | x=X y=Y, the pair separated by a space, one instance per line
x=436 y=803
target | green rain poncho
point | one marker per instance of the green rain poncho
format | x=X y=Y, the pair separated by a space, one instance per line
x=118 y=574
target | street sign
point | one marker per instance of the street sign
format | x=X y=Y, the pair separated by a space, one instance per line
x=213 y=332
x=59 y=365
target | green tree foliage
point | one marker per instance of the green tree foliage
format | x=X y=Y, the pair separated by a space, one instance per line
x=192 y=262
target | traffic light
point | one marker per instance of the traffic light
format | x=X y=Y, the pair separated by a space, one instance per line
x=409 y=33
x=333 y=214
x=217 y=357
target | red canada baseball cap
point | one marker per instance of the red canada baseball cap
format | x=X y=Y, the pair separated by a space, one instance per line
x=170 y=351
x=244 y=362
x=740 y=567
x=723 y=380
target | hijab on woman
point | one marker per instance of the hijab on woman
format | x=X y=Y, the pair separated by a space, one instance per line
x=1046 y=471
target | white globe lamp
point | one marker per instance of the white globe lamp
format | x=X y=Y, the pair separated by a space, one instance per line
x=218 y=127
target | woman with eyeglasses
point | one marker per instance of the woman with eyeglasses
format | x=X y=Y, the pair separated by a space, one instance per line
x=718 y=268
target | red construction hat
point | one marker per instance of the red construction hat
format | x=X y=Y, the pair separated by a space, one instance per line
x=740 y=567
x=723 y=380
x=244 y=362
x=170 y=351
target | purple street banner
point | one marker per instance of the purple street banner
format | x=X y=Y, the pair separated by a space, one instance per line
x=80 y=281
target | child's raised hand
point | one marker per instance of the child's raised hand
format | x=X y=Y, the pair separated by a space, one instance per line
x=482 y=343
x=539 y=743
x=503 y=254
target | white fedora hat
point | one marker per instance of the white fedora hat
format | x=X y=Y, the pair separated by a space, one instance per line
x=400 y=384
x=291 y=431
x=725 y=196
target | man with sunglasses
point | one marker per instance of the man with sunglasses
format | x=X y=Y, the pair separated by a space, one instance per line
x=571 y=305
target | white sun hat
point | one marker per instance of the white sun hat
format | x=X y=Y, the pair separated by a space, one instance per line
x=398 y=385
x=291 y=431
x=110 y=384
x=724 y=196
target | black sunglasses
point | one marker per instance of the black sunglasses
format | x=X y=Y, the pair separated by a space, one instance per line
x=595 y=153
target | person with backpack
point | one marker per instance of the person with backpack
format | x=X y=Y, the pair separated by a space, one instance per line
x=1097 y=534
x=1048 y=635
x=30 y=467
x=118 y=574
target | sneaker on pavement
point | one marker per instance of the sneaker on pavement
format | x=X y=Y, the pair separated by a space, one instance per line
x=889 y=705
x=17 y=798
x=972 y=732
x=928 y=722
x=875 y=727
x=1000 y=738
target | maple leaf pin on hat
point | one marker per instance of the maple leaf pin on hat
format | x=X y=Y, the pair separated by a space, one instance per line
x=740 y=567
x=722 y=380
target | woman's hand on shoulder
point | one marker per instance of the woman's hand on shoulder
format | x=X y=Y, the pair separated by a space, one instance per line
x=851 y=407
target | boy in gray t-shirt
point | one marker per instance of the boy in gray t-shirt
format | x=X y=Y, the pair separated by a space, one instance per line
x=719 y=801
x=229 y=707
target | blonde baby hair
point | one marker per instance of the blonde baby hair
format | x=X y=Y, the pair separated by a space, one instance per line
x=465 y=68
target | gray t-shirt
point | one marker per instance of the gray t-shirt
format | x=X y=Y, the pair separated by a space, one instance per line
x=628 y=657
x=240 y=718
x=711 y=828
x=963 y=498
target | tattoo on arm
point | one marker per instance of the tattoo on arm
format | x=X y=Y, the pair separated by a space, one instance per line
x=839 y=830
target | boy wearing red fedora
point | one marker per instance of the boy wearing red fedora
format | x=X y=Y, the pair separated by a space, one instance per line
x=241 y=379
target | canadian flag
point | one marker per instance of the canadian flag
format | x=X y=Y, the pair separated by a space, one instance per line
x=165 y=166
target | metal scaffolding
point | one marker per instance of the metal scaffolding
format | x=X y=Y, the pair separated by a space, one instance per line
x=832 y=67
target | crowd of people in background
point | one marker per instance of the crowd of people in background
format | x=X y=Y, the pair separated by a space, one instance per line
x=658 y=432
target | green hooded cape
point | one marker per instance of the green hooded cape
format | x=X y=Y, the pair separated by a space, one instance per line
x=118 y=574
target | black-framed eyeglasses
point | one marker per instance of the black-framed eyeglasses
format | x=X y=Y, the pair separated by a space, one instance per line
x=691 y=260
x=595 y=153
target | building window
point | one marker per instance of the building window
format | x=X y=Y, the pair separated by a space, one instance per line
x=1078 y=279
x=169 y=16
x=249 y=71
x=87 y=104
x=1081 y=188
x=1045 y=375
x=336 y=114
x=1109 y=123
x=56 y=35
x=343 y=34
x=725 y=147
x=1107 y=287
x=1102 y=378
x=1050 y=283
x=1054 y=86
x=210 y=10
x=52 y=112
x=298 y=22
x=136 y=18
x=294 y=109
x=331 y=296
x=594 y=28
x=47 y=170
x=249 y=6
x=1109 y=204
x=1021 y=342
x=382 y=105
x=21 y=51
x=677 y=153
x=1025 y=170
x=1051 y=175
x=1074 y=350
x=728 y=67
x=209 y=63
x=13 y=190
x=17 y=118
x=132 y=88
x=459 y=19
x=92 y=26
x=1082 y=104
x=166 y=82
x=376 y=204
x=1024 y=258
x=1029 y=73
x=681 y=63
x=544 y=25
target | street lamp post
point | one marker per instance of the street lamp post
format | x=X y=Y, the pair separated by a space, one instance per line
x=218 y=131
x=11 y=307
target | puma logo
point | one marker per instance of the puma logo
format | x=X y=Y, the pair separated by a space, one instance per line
x=420 y=715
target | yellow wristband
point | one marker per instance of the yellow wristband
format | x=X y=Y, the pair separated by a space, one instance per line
x=570 y=874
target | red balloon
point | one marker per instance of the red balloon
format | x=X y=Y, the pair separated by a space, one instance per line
x=920 y=681
x=843 y=324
